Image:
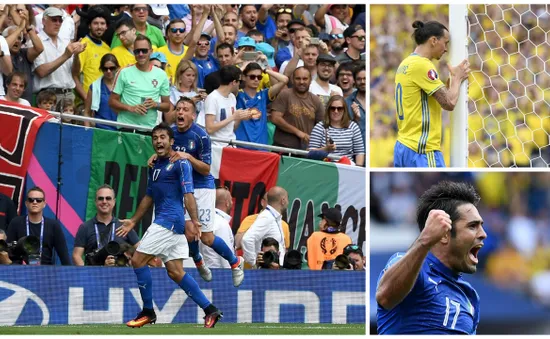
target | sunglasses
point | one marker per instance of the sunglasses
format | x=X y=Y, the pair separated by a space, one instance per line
x=175 y=30
x=38 y=200
x=104 y=198
x=254 y=77
x=359 y=37
x=337 y=36
x=351 y=248
x=107 y=69
x=336 y=108
x=284 y=10
x=140 y=9
x=56 y=19
x=203 y=43
x=139 y=51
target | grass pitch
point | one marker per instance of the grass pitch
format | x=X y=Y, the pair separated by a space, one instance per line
x=189 y=329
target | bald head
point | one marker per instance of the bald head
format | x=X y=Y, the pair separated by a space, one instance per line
x=224 y=201
x=337 y=31
x=276 y=195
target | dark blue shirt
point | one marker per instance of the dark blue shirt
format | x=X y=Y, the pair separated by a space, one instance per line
x=441 y=302
x=253 y=130
x=268 y=28
x=196 y=142
x=167 y=184
x=205 y=67
x=105 y=111
x=362 y=122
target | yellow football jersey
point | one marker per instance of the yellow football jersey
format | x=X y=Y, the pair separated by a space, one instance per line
x=90 y=61
x=418 y=114
x=173 y=61
x=124 y=56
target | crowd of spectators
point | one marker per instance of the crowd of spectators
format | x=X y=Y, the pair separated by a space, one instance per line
x=515 y=210
x=507 y=51
x=258 y=73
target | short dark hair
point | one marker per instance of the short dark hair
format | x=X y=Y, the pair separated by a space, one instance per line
x=163 y=127
x=243 y=6
x=278 y=14
x=269 y=241
x=358 y=68
x=37 y=189
x=229 y=73
x=425 y=30
x=188 y=100
x=254 y=32
x=141 y=37
x=44 y=95
x=346 y=66
x=253 y=66
x=125 y=22
x=225 y=45
x=174 y=21
x=19 y=75
x=446 y=196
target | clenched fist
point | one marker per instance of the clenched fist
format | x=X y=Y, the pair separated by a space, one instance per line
x=437 y=226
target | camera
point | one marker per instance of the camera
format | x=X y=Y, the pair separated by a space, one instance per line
x=25 y=248
x=293 y=260
x=342 y=262
x=98 y=256
x=270 y=257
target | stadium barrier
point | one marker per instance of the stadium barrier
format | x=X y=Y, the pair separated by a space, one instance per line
x=34 y=295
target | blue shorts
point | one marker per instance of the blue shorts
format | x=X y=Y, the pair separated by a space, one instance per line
x=406 y=157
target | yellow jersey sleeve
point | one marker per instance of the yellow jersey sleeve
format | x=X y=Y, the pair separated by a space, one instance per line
x=425 y=76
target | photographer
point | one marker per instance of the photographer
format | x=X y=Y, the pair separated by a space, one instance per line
x=269 y=256
x=97 y=232
x=4 y=258
x=356 y=257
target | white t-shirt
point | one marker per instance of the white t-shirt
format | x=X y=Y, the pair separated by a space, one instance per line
x=6 y=49
x=316 y=89
x=21 y=101
x=61 y=77
x=222 y=108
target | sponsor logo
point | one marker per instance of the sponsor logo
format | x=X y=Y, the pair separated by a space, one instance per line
x=432 y=74
x=16 y=302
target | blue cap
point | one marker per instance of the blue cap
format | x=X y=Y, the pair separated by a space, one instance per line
x=268 y=51
x=246 y=41
x=317 y=155
x=206 y=35
x=159 y=56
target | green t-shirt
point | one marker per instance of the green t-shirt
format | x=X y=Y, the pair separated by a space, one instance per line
x=134 y=87
x=153 y=33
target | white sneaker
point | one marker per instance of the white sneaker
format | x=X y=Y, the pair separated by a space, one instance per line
x=238 y=273
x=205 y=272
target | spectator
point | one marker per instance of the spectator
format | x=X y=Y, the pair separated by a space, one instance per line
x=140 y=90
x=255 y=129
x=339 y=17
x=87 y=62
x=205 y=62
x=52 y=68
x=4 y=257
x=356 y=256
x=47 y=230
x=196 y=12
x=159 y=60
x=256 y=35
x=336 y=42
x=337 y=134
x=298 y=33
x=100 y=230
x=17 y=82
x=46 y=100
x=222 y=229
x=7 y=211
x=327 y=243
x=67 y=27
x=265 y=23
x=295 y=112
x=305 y=56
x=356 y=40
x=344 y=78
x=231 y=18
x=356 y=101
x=225 y=55
x=321 y=86
x=186 y=86
x=67 y=107
x=6 y=65
x=249 y=17
x=271 y=246
x=139 y=19
x=126 y=32
x=97 y=104
x=22 y=58
x=221 y=117
x=281 y=38
x=174 y=50
x=268 y=224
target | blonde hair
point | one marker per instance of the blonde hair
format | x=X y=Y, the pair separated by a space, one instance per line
x=183 y=66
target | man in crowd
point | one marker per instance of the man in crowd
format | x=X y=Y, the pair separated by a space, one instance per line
x=4 y=257
x=269 y=244
x=344 y=78
x=356 y=101
x=174 y=50
x=7 y=211
x=281 y=38
x=355 y=39
x=47 y=230
x=100 y=230
x=67 y=29
x=356 y=256
x=249 y=17
x=140 y=12
x=225 y=55
x=321 y=85
x=17 y=82
x=336 y=42
x=298 y=33
x=124 y=53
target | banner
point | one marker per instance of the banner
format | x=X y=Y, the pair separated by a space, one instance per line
x=35 y=295
x=18 y=128
x=120 y=160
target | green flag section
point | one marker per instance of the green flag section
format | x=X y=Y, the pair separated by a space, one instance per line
x=313 y=186
x=120 y=160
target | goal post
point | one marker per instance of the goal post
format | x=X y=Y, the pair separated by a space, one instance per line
x=458 y=29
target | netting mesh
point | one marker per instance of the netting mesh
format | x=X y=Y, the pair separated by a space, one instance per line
x=509 y=91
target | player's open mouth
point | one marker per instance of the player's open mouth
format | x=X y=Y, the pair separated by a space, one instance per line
x=181 y=120
x=473 y=253
x=160 y=147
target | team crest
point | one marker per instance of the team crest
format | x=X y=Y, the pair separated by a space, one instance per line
x=432 y=74
x=191 y=145
x=155 y=83
x=169 y=167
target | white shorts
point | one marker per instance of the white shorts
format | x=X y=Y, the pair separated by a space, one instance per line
x=163 y=243
x=206 y=204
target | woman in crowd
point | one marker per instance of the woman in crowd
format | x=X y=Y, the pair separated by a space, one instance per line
x=337 y=134
x=185 y=85
x=97 y=100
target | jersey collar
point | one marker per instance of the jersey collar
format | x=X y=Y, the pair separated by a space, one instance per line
x=440 y=267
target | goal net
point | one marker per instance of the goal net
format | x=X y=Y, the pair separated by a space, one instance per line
x=509 y=89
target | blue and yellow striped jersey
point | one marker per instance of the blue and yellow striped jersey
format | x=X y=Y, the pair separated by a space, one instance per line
x=418 y=114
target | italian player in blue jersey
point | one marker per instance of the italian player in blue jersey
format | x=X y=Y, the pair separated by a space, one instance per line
x=192 y=143
x=422 y=291
x=169 y=185
x=420 y=96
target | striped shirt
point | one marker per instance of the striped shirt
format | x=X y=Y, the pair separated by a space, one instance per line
x=349 y=141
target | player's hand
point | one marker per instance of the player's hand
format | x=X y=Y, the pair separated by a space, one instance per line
x=127 y=226
x=193 y=229
x=437 y=226
x=460 y=71
x=110 y=261
x=152 y=160
x=303 y=136
x=180 y=155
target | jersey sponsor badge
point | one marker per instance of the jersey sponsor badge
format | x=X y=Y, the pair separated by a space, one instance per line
x=169 y=167
x=155 y=83
x=432 y=74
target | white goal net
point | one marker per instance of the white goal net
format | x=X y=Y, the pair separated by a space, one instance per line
x=509 y=90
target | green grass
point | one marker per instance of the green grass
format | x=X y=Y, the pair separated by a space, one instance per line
x=189 y=329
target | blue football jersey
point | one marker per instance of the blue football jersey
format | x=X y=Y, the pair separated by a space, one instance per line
x=196 y=142
x=167 y=184
x=441 y=302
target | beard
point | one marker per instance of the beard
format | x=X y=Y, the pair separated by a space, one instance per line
x=337 y=47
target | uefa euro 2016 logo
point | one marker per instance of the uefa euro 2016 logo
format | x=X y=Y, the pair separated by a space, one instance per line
x=25 y=307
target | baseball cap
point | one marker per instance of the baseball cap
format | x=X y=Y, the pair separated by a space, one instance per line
x=160 y=10
x=159 y=56
x=53 y=11
x=332 y=214
x=295 y=22
x=206 y=35
x=326 y=58
x=268 y=51
x=246 y=41
x=350 y=30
